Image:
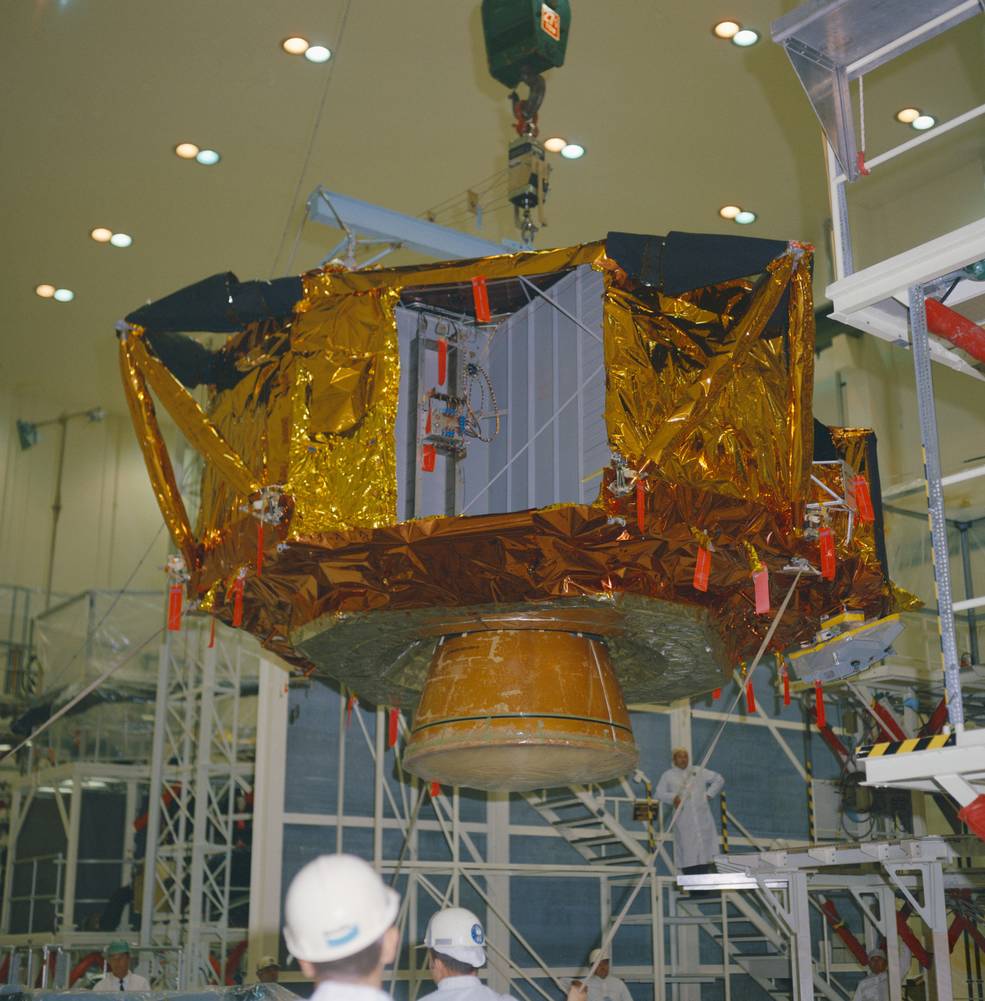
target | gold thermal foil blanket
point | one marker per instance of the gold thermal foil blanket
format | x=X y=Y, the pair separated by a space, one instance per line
x=707 y=396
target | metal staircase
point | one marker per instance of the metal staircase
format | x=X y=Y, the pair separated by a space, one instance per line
x=750 y=941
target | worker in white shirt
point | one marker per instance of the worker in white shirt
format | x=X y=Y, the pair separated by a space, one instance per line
x=268 y=970
x=875 y=987
x=695 y=833
x=455 y=942
x=120 y=977
x=601 y=986
x=339 y=924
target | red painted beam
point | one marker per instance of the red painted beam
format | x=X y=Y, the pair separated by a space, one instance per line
x=844 y=933
x=889 y=726
x=937 y=719
x=957 y=329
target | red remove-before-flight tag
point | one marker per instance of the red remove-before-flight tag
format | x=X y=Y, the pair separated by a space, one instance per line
x=391 y=736
x=827 y=540
x=716 y=694
x=212 y=633
x=863 y=500
x=238 y=601
x=442 y=361
x=428 y=454
x=750 y=697
x=435 y=790
x=819 y=704
x=350 y=702
x=174 y=608
x=480 y=297
x=761 y=585
x=702 y=569
x=640 y=507
x=786 y=687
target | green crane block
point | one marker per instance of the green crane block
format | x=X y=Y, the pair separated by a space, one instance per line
x=524 y=35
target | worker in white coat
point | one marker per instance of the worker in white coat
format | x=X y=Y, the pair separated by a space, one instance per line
x=601 y=985
x=339 y=924
x=875 y=987
x=455 y=942
x=695 y=833
x=120 y=977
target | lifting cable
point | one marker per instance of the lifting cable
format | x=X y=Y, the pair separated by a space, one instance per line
x=620 y=917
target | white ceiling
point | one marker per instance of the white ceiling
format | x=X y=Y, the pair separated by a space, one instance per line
x=98 y=92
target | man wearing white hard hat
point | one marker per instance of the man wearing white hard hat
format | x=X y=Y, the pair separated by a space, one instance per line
x=875 y=987
x=689 y=789
x=601 y=986
x=339 y=925
x=456 y=949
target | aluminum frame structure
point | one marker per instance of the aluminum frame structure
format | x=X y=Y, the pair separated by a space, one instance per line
x=199 y=772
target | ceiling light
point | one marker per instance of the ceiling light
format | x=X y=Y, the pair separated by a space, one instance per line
x=45 y=291
x=187 y=151
x=555 y=144
x=745 y=217
x=729 y=211
x=923 y=122
x=726 y=29
x=745 y=37
x=121 y=239
x=208 y=157
x=573 y=151
x=907 y=115
x=5 y=747
x=63 y=295
x=317 y=54
x=101 y=234
x=94 y=784
x=295 y=45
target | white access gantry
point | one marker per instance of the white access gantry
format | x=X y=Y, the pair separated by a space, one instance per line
x=830 y=44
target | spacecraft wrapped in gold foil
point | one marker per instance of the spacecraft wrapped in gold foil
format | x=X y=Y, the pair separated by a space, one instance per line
x=607 y=453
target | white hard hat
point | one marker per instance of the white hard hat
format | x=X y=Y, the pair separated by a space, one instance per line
x=594 y=955
x=336 y=906
x=458 y=933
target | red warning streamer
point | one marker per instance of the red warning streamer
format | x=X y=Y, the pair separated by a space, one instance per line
x=761 y=585
x=212 y=633
x=238 y=585
x=702 y=569
x=435 y=790
x=174 y=608
x=863 y=500
x=393 y=727
x=640 y=506
x=819 y=705
x=349 y=704
x=716 y=694
x=828 y=560
x=442 y=361
x=428 y=455
x=786 y=687
x=750 y=696
x=480 y=297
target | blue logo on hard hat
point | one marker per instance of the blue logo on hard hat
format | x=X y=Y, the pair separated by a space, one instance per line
x=341 y=935
x=477 y=935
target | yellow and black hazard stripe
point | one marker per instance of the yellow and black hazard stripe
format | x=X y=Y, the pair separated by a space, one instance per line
x=904 y=746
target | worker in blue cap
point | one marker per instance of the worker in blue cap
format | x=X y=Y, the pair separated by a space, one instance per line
x=119 y=976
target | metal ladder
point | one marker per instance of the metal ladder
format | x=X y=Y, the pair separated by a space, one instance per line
x=747 y=936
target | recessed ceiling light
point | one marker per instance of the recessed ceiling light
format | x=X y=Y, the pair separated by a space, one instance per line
x=317 y=54
x=573 y=151
x=745 y=37
x=745 y=217
x=923 y=122
x=907 y=115
x=5 y=747
x=555 y=144
x=208 y=157
x=45 y=291
x=729 y=211
x=101 y=234
x=187 y=151
x=295 y=45
x=121 y=239
x=63 y=295
x=726 y=29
